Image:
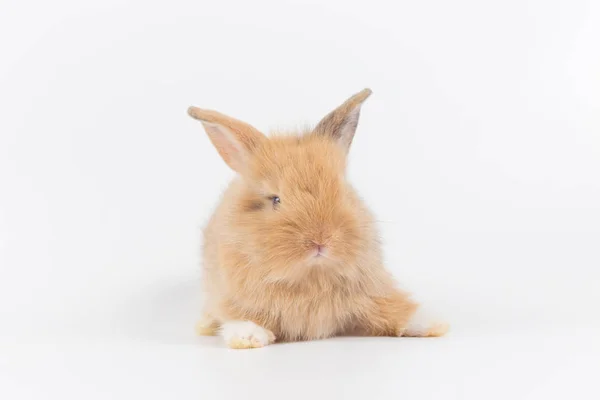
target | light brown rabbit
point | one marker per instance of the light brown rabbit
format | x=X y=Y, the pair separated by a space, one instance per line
x=291 y=252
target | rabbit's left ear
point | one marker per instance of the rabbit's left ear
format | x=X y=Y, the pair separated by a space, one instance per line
x=340 y=124
x=234 y=140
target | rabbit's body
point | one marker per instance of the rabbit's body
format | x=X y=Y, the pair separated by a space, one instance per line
x=316 y=301
x=291 y=251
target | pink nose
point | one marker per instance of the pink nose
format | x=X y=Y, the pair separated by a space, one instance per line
x=319 y=247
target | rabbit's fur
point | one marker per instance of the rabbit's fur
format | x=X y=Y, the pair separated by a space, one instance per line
x=291 y=252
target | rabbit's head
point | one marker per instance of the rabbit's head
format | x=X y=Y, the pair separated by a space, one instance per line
x=296 y=207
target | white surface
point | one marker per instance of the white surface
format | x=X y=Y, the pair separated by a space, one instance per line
x=479 y=152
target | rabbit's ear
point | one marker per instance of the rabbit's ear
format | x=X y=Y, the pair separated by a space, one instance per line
x=340 y=124
x=235 y=140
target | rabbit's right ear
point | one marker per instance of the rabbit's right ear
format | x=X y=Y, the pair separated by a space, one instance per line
x=340 y=124
x=235 y=140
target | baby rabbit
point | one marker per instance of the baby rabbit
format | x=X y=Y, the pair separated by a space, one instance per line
x=291 y=252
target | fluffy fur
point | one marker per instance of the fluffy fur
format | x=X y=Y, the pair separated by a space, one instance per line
x=308 y=266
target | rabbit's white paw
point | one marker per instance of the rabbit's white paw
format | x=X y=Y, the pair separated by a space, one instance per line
x=246 y=335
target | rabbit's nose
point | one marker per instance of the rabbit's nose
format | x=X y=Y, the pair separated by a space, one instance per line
x=318 y=248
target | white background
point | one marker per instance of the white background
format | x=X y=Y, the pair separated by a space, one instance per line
x=479 y=152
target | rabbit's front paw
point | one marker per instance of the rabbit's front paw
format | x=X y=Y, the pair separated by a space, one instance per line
x=207 y=327
x=246 y=335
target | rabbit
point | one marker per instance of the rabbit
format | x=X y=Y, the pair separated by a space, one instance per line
x=291 y=252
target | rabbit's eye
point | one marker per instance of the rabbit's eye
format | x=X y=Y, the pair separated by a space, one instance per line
x=276 y=200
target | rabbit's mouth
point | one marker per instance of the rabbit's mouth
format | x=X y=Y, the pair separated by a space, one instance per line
x=320 y=254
